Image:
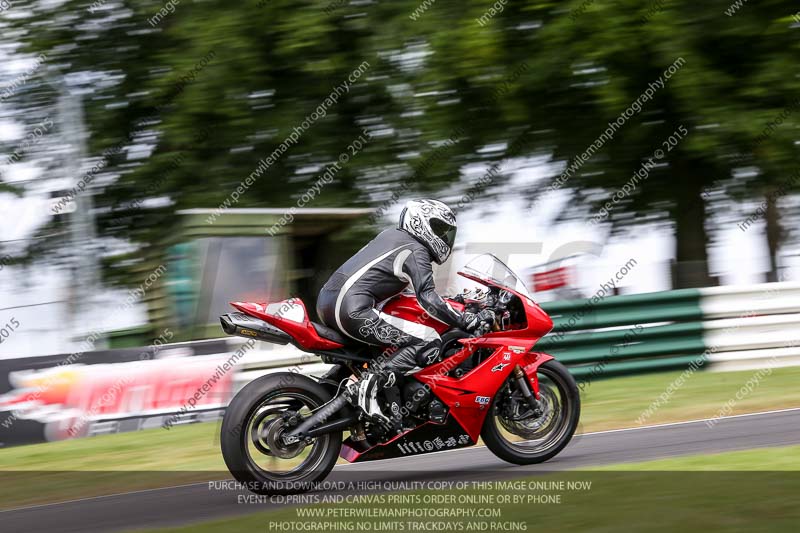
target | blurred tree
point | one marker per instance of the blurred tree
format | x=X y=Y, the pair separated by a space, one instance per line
x=185 y=107
x=590 y=61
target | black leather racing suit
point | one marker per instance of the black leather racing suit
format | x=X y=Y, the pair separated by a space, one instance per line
x=351 y=299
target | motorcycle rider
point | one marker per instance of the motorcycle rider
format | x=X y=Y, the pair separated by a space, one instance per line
x=351 y=301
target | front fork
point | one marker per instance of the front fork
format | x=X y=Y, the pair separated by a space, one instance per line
x=531 y=396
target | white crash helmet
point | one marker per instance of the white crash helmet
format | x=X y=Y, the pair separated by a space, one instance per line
x=433 y=224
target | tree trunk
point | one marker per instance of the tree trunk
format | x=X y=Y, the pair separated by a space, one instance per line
x=774 y=235
x=691 y=268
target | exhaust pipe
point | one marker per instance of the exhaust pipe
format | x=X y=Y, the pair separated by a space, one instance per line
x=243 y=325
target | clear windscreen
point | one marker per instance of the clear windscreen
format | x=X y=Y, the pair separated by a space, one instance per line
x=487 y=267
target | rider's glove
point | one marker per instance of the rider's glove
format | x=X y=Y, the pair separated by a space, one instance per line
x=487 y=317
x=471 y=321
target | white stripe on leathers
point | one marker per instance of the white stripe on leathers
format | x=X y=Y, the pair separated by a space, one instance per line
x=351 y=281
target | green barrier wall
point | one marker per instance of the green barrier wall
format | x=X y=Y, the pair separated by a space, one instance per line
x=649 y=333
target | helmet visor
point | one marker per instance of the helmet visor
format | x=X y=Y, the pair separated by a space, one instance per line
x=444 y=231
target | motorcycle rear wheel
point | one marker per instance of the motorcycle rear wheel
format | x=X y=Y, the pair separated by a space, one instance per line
x=540 y=438
x=251 y=429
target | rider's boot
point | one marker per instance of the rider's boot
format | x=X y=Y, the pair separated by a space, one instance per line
x=365 y=394
x=391 y=391
x=401 y=361
x=387 y=378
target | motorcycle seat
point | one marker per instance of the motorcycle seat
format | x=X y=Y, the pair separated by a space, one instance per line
x=332 y=335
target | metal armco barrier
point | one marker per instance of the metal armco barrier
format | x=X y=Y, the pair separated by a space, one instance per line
x=717 y=328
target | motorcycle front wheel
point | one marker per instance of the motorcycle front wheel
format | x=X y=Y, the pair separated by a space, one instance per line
x=251 y=435
x=515 y=434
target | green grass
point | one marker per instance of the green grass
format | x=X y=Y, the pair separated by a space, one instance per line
x=785 y=459
x=191 y=452
x=618 y=403
x=662 y=495
x=191 y=447
x=110 y=464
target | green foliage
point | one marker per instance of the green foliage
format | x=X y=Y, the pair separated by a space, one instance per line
x=561 y=69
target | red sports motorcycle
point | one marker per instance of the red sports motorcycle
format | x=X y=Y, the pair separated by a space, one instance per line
x=283 y=432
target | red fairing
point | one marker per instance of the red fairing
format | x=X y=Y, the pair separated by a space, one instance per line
x=301 y=330
x=539 y=322
x=407 y=307
x=468 y=398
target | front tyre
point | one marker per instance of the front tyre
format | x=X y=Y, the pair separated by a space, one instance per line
x=251 y=435
x=513 y=433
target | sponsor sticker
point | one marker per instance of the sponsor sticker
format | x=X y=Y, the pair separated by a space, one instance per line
x=499 y=367
x=412 y=447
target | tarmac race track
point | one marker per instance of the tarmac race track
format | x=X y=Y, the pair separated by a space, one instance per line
x=197 y=502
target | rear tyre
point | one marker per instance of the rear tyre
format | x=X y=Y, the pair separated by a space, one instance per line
x=251 y=429
x=536 y=439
